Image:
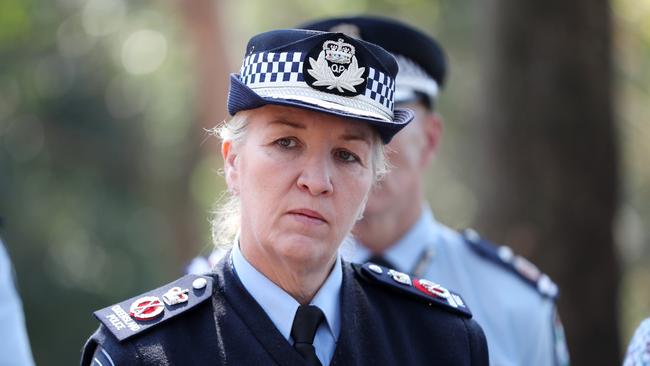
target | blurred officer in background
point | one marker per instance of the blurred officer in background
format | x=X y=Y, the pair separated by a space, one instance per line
x=511 y=299
x=638 y=351
x=14 y=346
x=311 y=113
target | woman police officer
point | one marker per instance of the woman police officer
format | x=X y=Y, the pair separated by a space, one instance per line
x=311 y=112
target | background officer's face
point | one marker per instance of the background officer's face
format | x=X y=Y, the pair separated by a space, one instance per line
x=408 y=154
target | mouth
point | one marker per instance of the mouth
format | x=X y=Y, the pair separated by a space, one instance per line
x=308 y=215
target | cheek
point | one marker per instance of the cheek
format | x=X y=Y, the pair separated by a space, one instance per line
x=354 y=192
x=265 y=181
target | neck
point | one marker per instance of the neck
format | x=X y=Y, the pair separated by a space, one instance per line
x=301 y=281
x=378 y=232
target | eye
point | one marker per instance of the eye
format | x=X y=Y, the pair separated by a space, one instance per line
x=286 y=142
x=346 y=156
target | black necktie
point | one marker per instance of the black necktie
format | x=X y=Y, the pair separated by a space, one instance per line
x=303 y=331
x=380 y=260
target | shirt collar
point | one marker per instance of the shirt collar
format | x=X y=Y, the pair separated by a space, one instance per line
x=279 y=305
x=407 y=250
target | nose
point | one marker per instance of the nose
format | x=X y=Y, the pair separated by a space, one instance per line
x=316 y=178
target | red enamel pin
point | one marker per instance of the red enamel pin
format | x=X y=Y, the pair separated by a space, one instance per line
x=146 y=308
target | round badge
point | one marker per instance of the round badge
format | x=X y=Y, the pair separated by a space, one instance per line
x=431 y=288
x=336 y=67
x=199 y=283
x=146 y=308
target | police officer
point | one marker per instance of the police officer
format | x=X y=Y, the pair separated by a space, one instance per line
x=511 y=299
x=311 y=114
x=14 y=347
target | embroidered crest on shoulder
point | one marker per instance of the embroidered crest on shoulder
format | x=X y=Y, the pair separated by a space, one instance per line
x=429 y=291
x=336 y=69
x=505 y=257
x=139 y=313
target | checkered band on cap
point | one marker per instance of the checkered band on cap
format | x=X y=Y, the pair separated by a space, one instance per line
x=270 y=67
x=412 y=78
x=380 y=87
x=280 y=75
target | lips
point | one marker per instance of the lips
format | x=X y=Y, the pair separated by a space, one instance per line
x=308 y=214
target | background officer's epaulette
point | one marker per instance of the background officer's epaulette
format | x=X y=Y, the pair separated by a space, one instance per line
x=429 y=291
x=506 y=258
x=140 y=313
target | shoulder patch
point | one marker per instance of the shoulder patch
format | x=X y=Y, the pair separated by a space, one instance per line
x=428 y=291
x=152 y=308
x=506 y=258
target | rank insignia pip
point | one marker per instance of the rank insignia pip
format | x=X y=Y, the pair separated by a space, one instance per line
x=175 y=296
x=399 y=277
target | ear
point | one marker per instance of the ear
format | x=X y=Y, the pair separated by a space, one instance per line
x=230 y=167
x=432 y=124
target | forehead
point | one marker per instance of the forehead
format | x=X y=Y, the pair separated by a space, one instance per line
x=299 y=118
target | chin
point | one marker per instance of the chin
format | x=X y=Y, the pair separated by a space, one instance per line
x=302 y=249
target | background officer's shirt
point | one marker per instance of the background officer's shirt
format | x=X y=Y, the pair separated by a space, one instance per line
x=281 y=307
x=14 y=347
x=638 y=351
x=519 y=323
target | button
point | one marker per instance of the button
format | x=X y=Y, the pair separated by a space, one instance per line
x=199 y=283
x=375 y=268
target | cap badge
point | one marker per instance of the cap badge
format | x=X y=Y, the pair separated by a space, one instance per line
x=146 y=308
x=175 y=296
x=336 y=70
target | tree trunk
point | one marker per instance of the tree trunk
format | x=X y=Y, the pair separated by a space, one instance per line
x=200 y=19
x=550 y=184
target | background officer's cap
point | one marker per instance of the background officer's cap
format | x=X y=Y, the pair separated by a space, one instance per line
x=422 y=62
x=326 y=72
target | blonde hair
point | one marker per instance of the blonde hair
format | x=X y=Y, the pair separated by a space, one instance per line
x=226 y=218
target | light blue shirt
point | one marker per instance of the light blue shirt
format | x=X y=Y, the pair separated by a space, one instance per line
x=638 y=351
x=518 y=322
x=281 y=307
x=14 y=346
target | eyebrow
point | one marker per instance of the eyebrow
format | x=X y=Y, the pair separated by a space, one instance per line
x=346 y=136
x=286 y=122
x=364 y=137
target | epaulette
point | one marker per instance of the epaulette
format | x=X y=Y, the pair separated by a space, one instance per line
x=139 y=313
x=428 y=291
x=506 y=258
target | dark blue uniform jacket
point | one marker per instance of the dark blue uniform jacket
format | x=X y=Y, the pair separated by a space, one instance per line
x=379 y=326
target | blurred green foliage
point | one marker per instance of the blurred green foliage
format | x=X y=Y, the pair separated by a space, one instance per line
x=98 y=121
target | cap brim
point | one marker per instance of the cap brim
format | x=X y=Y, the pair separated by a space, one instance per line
x=241 y=97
